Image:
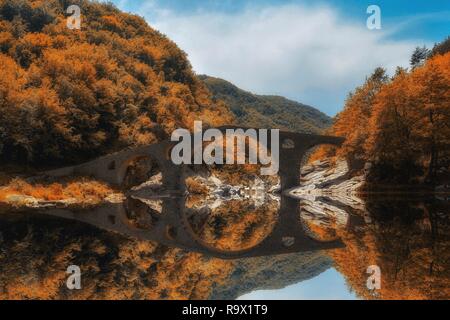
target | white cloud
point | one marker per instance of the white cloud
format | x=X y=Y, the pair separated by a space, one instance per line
x=310 y=54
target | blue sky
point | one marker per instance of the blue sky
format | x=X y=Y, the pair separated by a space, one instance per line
x=329 y=285
x=314 y=52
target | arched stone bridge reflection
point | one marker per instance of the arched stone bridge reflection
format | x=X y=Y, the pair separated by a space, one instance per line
x=173 y=228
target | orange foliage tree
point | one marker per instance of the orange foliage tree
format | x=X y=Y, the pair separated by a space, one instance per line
x=409 y=131
x=401 y=125
x=70 y=95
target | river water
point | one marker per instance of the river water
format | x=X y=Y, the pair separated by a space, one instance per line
x=385 y=247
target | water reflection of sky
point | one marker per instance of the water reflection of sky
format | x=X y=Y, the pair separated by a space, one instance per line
x=329 y=285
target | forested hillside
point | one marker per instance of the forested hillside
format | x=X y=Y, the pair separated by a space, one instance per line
x=70 y=95
x=400 y=124
x=259 y=111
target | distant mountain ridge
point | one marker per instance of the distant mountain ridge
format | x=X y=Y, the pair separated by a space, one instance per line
x=252 y=110
x=271 y=273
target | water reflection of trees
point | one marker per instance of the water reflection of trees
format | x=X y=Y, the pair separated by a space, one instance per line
x=235 y=224
x=409 y=241
x=35 y=253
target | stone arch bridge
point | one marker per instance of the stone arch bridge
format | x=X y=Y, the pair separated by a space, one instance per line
x=173 y=228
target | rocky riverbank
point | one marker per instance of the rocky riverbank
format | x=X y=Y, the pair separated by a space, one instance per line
x=326 y=179
x=319 y=179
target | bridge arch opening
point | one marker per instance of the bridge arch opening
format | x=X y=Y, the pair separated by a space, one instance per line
x=232 y=225
x=319 y=163
x=139 y=170
x=231 y=206
x=143 y=215
x=320 y=226
x=321 y=171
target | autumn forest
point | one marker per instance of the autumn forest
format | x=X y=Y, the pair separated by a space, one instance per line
x=72 y=96
x=67 y=96
x=400 y=124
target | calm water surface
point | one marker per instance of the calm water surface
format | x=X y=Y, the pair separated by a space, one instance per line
x=407 y=237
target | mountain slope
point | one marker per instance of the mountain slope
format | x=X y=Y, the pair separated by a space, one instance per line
x=67 y=96
x=271 y=273
x=253 y=110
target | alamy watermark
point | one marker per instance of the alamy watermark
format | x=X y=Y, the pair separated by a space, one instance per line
x=74 y=280
x=374 y=280
x=228 y=149
x=74 y=21
x=374 y=20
